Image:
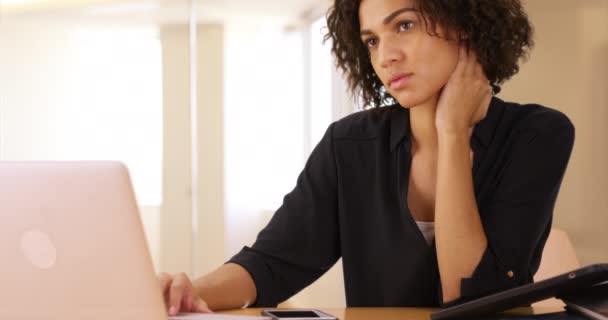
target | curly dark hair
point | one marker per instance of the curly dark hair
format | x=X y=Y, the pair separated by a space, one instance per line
x=498 y=31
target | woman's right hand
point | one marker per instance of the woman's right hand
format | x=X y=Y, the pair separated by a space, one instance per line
x=179 y=294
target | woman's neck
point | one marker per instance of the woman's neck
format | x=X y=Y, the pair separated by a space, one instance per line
x=423 y=128
x=422 y=124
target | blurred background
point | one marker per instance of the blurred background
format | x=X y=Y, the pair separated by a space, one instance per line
x=216 y=105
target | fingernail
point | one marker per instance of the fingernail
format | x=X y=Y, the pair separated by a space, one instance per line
x=172 y=311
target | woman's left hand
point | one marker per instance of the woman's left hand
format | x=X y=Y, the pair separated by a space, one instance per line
x=465 y=99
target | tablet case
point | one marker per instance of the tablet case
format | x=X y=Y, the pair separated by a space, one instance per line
x=592 y=303
x=569 y=284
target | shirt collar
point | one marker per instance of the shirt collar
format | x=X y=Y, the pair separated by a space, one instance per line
x=484 y=130
x=400 y=125
x=482 y=133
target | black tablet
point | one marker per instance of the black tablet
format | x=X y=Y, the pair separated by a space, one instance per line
x=593 y=303
x=564 y=284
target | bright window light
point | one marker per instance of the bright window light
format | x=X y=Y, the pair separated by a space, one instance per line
x=85 y=94
x=16 y=2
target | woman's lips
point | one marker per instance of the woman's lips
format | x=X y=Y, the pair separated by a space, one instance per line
x=400 y=81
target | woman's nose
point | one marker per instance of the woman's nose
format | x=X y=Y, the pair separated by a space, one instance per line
x=389 y=53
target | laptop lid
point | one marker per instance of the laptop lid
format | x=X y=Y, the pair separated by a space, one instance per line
x=72 y=244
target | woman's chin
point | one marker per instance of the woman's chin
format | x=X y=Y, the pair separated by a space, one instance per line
x=409 y=100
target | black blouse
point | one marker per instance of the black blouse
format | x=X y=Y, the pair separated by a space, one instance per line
x=350 y=202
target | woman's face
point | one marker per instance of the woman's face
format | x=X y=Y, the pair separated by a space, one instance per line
x=412 y=64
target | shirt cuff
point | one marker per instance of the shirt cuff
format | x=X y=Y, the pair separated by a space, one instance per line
x=261 y=274
x=489 y=277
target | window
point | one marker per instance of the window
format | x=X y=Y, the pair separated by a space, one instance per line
x=71 y=92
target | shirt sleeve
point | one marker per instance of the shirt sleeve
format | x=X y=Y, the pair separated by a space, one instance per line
x=301 y=241
x=517 y=217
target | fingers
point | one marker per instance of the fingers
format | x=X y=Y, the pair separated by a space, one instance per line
x=462 y=61
x=479 y=73
x=478 y=68
x=180 y=288
x=180 y=295
x=486 y=103
x=470 y=69
x=471 y=61
x=468 y=64
x=475 y=71
x=165 y=281
x=187 y=300
x=200 y=306
x=482 y=110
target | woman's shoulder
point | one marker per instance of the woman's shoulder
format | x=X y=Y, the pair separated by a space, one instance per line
x=366 y=124
x=533 y=117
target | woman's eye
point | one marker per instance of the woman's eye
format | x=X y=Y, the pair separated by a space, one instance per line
x=406 y=25
x=370 y=42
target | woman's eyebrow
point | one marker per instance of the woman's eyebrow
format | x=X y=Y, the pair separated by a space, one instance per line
x=389 y=18
x=393 y=15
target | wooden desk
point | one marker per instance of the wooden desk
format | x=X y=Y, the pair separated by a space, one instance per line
x=388 y=313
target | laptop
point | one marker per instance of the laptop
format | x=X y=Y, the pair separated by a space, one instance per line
x=72 y=244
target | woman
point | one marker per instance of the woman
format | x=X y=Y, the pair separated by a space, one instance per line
x=439 y=195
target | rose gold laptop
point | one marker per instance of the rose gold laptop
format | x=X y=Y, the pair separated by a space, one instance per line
x=72 y=244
